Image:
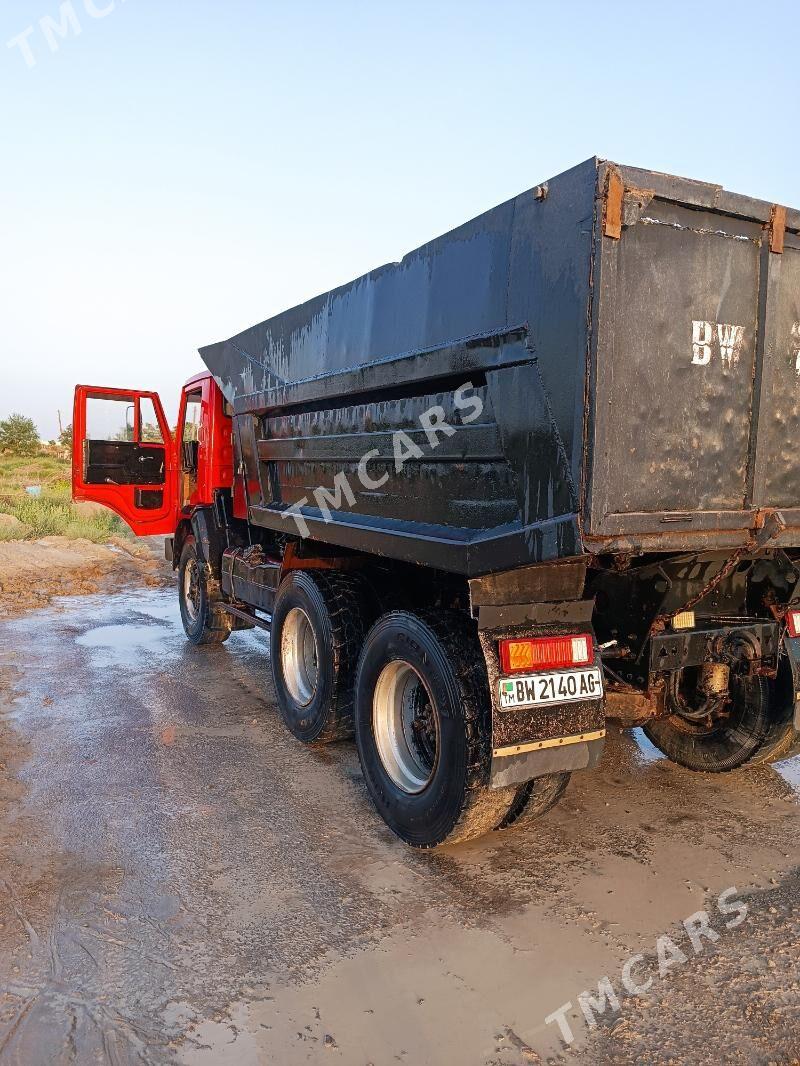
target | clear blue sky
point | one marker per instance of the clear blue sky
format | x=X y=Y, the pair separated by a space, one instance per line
x=180 y=170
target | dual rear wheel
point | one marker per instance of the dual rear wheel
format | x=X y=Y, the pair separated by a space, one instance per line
x=413 y=689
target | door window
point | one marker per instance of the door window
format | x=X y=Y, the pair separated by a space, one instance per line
x=149 y=429
x=109 y=419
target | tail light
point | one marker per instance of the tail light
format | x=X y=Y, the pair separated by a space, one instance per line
x=793 y=623
x=547 y=653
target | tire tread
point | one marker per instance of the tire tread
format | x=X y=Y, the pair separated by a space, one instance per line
x=482 y=807
x=344 y=599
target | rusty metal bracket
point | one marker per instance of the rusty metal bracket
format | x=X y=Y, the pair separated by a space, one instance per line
x=767 y=525
x=777 y=229
x=634 y=203
x=612 y=213
x=631 y=707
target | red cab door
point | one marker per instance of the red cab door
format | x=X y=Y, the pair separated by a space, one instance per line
x=123 y=456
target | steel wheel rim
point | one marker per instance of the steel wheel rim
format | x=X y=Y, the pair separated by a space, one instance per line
x=299 y=657
x=191 y=589
x=406 y=727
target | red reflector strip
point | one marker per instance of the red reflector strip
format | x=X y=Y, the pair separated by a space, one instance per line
x=793 y=623
x=546 y=653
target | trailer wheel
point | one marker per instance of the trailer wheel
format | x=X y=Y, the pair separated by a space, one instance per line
x=204 y=621
x=722 y=743
x=535 y=798
x=423 y=728
x=317 y=630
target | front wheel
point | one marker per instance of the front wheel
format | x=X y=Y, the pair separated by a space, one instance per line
x=422 y=721
x=204 y=621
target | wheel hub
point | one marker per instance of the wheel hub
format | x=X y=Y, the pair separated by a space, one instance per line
x=299 y=656
x=191 y=589
x=406 y=727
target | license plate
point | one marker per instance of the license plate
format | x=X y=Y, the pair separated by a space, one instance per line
x=563 y=686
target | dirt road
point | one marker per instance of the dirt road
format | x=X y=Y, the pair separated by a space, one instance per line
x=181 y=882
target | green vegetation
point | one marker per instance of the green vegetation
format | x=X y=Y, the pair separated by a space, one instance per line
x=53 y=512
x=19 y=435
x=17 y=471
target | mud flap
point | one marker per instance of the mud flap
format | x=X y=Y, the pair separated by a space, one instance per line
x=532 y=742
x=519 y=763
x=209 y=538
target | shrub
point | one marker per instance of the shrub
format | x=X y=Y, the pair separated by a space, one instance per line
x=19 y=435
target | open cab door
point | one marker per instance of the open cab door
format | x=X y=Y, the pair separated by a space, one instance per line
x=123 y=457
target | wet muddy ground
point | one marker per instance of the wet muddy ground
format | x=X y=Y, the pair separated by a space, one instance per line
x=32 y=572
x=180 y=881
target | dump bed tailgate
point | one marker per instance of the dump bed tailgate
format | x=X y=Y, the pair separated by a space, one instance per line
x=696 y=363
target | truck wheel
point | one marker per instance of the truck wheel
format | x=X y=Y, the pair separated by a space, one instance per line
x=423 y=728
x=204 y=621
x=317 y=630
x=783 y=741
x=718 y=743
x=535 y=798
x=781 y=737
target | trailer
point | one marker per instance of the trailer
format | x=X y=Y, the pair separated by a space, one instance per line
x=538 y=474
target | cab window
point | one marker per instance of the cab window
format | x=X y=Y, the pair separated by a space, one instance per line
x=190 y=445
x=149 y=429
x=191 y=423
x=109 y=419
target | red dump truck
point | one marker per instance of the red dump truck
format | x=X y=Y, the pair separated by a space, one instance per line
x=538 y=474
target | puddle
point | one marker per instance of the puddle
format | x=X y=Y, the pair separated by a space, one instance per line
x=126 y=643
x=164 y=611
x=647 y=752
x=790 y=772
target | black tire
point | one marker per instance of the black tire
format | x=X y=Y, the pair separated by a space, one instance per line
x=435 y=661
x=782 y=739
x=204 y=621
x=535 y=798
x=336 y=614
x=783 y=742
x=729 y=743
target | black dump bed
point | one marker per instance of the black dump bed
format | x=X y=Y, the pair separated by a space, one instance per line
x=633 y=340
